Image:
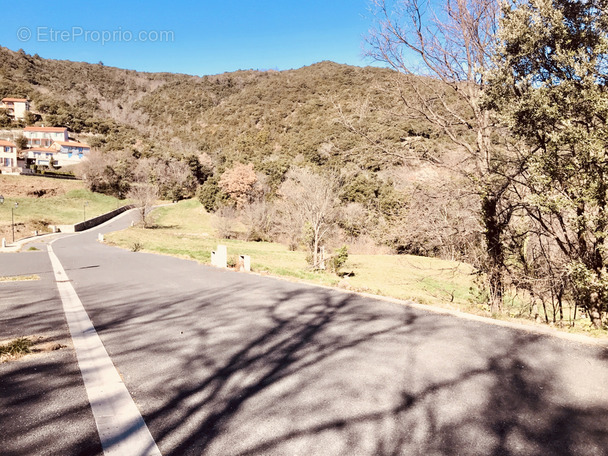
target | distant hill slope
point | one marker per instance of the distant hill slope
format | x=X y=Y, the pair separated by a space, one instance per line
x=243 y=115
x=330 y=116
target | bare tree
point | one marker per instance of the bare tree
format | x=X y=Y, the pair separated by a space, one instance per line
x=451 y=44
x=172 y=177
x=310 y=202
x=258 y=217
x=144 y=195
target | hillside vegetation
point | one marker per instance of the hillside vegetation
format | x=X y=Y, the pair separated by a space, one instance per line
x=240 y=115
x=273 y=120
x=174 y=136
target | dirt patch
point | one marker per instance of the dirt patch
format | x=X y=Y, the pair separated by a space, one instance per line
x=21 y=230
x=35 y=187
x=42 y=192
x=24 y=347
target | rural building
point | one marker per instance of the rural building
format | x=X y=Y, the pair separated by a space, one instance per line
x=8 y=158
x=69 y=152
x=16 y=107
x=44 y=136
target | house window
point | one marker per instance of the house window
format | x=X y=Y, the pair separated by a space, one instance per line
x=79 y=155
x=69 y=154
x=7 y=149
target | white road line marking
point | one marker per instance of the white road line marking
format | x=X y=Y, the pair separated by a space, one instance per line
x=121 y=428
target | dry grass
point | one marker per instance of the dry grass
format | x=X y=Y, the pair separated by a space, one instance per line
x=64 y=203
x=185 y=230
x=20 y=278
x=18 y=348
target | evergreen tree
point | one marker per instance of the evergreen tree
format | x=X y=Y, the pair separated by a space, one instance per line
x=550 y=84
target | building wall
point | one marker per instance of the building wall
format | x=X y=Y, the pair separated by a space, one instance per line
x=66 y=159
x=44 y=138
x=16 y=108
x=21 y=109
x=8 y=159
x=40 y=157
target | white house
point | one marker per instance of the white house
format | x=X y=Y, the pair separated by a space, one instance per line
x=41 y=156
x=44 y=136
x=69 y=152
x=8 y=158
x=17 y=107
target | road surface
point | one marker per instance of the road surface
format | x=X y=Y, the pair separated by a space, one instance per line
x=226 y=363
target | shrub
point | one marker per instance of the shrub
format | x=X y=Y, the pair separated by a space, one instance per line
x=338 y=259
x=211 y=196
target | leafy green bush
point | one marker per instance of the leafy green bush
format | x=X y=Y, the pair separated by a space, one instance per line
x=338 y=259
x=211 y=196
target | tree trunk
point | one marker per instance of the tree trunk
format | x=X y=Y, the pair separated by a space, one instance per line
x=595 y=313
x=315 y=253
x=494 y=266
x=596 y=317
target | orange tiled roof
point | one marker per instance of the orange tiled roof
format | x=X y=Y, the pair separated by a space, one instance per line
x=7 y=143
x=71 y=143
x=14 y=100
x=40 y=149
x=47 y=129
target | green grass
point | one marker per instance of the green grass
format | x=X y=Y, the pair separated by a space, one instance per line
x=424 y=280
x=66 y=209
x=69 y=204
x=16 y=347
x=187 y=231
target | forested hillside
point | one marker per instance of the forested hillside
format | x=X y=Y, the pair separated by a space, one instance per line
x=246 y=112
x=335 y=118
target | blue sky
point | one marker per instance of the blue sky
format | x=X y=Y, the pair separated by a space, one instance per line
x=205 y=37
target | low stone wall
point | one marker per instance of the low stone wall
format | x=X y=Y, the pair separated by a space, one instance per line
x=91 y=223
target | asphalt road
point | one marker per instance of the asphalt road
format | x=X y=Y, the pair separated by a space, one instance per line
x=228 y=363
x=43 y=404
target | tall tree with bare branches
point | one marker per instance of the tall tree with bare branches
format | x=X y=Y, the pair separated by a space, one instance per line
x=443 y=51
x=310 y=204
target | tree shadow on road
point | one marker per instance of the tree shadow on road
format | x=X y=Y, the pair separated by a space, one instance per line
x=288 y=369
x=45 y=409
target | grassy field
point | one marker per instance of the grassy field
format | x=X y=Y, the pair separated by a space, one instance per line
x=187 y=231
x=61 y=202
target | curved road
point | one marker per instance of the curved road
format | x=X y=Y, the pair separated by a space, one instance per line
x=225 y=363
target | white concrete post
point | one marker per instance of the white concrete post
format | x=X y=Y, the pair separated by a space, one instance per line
x=3 y=243
x=245 y=263
x=100 y=237
x=221 y=256
x=213 y=258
